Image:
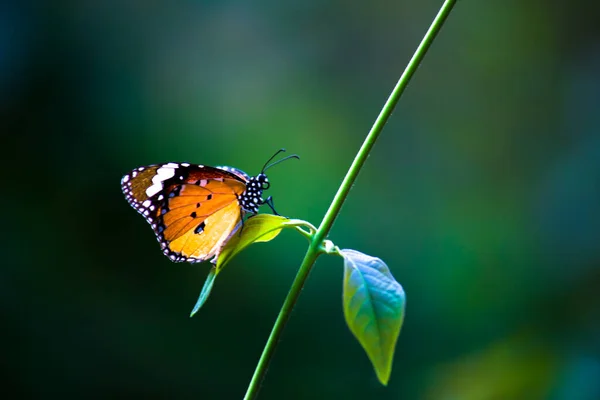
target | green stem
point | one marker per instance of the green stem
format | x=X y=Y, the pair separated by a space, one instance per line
x=313 y=250
x=286 y=310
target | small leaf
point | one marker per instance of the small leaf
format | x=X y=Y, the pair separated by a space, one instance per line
x=260 y=228
x=374 y=308
x=208 y=284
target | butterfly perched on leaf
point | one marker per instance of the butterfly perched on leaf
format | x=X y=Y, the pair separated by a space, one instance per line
x=195 y=209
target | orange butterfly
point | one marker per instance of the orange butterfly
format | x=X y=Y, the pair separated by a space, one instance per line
x=194 y=209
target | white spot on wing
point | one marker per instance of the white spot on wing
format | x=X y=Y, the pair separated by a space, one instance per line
x=162 y=174
x=125 y=179
x=147 y=203
x=152 y=190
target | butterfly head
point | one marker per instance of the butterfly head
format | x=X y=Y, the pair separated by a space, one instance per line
x=251 y=199
x=263 y=181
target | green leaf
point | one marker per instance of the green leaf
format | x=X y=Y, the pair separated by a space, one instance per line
x=374 y=308
x=208 y=284
x=260 y=228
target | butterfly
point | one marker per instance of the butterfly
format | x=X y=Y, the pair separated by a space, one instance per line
x=195 y=209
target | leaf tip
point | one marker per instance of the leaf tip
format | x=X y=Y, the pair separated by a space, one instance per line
x=383 y=376
x=208 y=284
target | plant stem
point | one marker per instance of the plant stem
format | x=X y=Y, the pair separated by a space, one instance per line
x=261 y=368
x=313 y=250
x=381 y=120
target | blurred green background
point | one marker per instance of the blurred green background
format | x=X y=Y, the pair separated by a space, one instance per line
x=482 y=195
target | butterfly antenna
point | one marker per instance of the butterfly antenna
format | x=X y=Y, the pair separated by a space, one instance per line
x=278 y=161
x=272 y=157
x=267 y=165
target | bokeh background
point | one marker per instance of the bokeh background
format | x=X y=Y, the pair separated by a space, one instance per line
x=482 y=195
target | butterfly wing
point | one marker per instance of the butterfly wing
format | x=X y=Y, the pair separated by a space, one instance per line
x=193 y=209
x=238 y=172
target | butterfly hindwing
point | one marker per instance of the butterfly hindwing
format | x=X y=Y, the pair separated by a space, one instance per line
x=203 y=240
x=193 y=209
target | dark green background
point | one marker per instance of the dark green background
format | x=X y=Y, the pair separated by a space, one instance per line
x=482 y=195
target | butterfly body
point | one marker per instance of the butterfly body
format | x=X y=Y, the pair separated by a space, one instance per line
x=193 y=209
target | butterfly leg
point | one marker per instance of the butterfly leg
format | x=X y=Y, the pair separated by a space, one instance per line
x=243 y=220
x=269 y=202
x=241 y=228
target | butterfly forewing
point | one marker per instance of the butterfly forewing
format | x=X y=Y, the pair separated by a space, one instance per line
x=238 y=172
x=193 y=209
